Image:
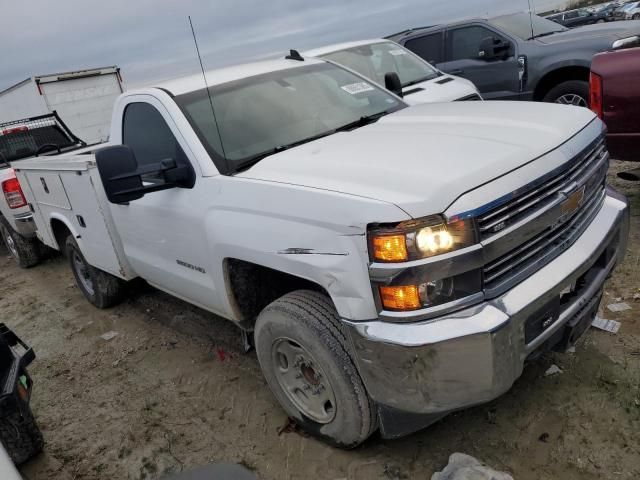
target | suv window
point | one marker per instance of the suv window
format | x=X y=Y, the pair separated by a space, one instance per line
x=465 y=42
x=428 y=47
x=148 y=135
x=570 y=15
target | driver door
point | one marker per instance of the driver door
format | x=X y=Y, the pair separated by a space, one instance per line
x=163 y=233
x=496 y=78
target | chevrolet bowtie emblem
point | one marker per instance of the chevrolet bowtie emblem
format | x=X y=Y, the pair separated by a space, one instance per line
x=572 y=203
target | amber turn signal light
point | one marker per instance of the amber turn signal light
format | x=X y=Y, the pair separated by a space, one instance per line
x=401 y=298
x=390 y=248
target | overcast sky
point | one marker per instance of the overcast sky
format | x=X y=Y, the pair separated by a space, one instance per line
x=150 y=39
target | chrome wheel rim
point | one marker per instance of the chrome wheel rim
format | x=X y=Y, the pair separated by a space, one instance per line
x=8 y=241
x=82 y=270
x=303 y=381
x=572 y=99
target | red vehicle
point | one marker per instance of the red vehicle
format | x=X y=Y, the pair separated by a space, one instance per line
x=615 y=98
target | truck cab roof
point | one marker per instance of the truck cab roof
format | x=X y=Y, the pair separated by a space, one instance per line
x=191 y=83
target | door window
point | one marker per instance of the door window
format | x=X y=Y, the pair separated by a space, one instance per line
x=464 y=43
x=428 y=47
x=150 y=138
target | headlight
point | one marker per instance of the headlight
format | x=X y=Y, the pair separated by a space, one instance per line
x=418 y=239
x=626 y=42
x=415 y=291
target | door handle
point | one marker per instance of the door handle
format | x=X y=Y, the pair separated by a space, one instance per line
x=456 y=72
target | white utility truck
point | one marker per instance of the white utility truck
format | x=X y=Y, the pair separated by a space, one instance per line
x=392 y=263
x=398 y=70
x=83 y=99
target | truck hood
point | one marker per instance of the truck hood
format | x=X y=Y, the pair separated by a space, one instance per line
x=611 y=30
x=424 y=157
x=446 y=88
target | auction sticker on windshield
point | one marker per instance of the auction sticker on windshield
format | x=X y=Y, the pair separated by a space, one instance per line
x=395 y=53
x=356 y=88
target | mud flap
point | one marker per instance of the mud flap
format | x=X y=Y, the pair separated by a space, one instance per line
x=396 y=423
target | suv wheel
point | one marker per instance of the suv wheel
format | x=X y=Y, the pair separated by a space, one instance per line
x=572 y=92
x=306 y=360
x=25 y=251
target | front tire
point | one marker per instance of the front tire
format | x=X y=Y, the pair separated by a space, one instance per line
x=102 y=289
x=25 y=251
x=305 y=357
x=20 y=435
x=571 y=92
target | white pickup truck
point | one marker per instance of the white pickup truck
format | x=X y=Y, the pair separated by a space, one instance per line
x=399 y=70
x=393 y=263
x=20 y=139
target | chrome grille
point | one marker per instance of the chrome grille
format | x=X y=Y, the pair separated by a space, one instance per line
x=532 y=255
x=542 y=192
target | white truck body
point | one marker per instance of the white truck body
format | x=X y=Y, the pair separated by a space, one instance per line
x=308 y=216
x=84 y=100
x=440 y=88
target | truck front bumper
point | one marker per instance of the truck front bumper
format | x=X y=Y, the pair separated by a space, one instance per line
x=418 y=372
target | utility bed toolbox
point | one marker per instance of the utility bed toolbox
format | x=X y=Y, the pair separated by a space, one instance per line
x=69 y=190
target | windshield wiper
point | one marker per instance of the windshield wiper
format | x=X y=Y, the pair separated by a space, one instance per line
x=424 y=79
x=362 y=121
x=545 y=34
x=256 y=158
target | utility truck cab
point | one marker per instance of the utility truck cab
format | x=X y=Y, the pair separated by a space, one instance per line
x=391 y=263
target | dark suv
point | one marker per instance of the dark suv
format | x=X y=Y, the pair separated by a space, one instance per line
x=520 y=57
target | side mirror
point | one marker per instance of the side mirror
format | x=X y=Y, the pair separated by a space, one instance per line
x=122 y=176
x=486 y=51
x=492 y=48
x=393 y=84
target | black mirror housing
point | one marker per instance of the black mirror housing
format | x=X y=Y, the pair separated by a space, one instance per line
x=122 y=176
x=393 y=84
x=486 y=51
x=118 y=166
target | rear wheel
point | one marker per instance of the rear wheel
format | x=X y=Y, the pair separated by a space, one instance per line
x=20 y=435
x=25 y=251
x=101 y=288
x=571 y=92
x=306 y=360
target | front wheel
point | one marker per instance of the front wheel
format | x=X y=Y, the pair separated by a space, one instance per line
x=306 y=360
x=571 y=92
x=20 y=435
x=102 y=289
x=25 y=251
x=636 y=16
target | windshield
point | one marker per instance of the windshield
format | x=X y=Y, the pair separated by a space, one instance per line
x=267 y=113
x=629 y=6
x=375 y=60
x=522 y=24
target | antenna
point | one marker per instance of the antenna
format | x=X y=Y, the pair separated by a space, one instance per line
x=531 y=18
x=206 y=87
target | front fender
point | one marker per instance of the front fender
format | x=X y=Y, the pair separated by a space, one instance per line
x=312 y=234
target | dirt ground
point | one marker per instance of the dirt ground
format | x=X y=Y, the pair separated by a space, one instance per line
x=174 y=390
